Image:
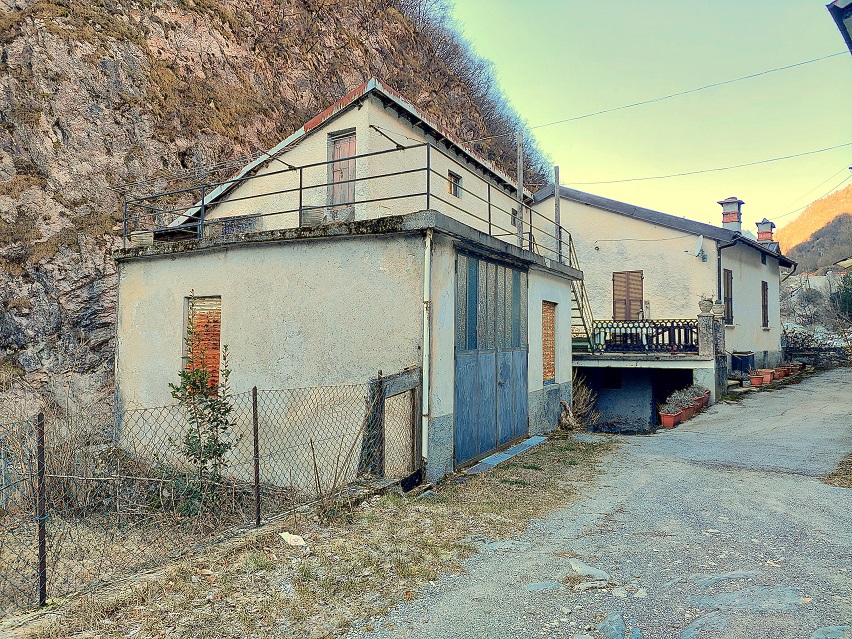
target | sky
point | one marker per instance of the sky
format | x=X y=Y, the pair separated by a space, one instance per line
x=557 y=59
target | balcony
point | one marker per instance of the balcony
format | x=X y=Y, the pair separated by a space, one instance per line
x=277 y=195
x=666 y=336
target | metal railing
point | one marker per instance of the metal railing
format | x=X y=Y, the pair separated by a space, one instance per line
x=672 y=336
x=296 y=196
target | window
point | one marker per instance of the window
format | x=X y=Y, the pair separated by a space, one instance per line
x=548 y=342
x=764 y=295
x=627 y=301
x=763 y=258
x=516 y=221
x=453 y=184
x=205 y=314
x=342 y=169
x=728 y=296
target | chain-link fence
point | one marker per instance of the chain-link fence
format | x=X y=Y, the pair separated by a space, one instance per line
x=90 y=495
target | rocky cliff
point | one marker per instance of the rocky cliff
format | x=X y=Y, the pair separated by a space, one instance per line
x=96 y=95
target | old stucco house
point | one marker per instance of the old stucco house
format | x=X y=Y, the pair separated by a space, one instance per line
x=371 y=239
x=647 y=272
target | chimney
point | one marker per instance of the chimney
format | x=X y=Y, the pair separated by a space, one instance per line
x=732 y=215
x=764 y=230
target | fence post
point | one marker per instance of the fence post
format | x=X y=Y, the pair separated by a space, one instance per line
x=428 y=176
x=255 y=431
x=203 y=213
x=41 y=512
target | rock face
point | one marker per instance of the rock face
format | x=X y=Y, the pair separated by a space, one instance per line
x=95 y=95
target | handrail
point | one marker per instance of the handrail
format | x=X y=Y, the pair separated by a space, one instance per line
x=676 y=335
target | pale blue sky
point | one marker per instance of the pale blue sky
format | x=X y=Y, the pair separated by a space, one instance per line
x=557 y=59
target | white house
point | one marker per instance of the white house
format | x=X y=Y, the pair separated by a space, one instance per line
x=646 y=273
x=371 y=239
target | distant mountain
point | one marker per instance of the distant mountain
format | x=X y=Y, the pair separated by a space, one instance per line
x=826 y=246
x=815 y=217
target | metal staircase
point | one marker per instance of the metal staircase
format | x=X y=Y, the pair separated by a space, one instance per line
x=582 y=322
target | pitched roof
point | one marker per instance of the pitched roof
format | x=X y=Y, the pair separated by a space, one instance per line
x=663 y=219
x=389 y=97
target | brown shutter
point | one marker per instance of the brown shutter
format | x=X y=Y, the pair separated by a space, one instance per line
x=764 y=294
x=634 y=294
x=627 y=297
x=548 y=341
x=206 y=313
x=619 y=296
x=729 y=296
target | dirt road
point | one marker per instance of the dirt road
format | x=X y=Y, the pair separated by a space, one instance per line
x=718 y=529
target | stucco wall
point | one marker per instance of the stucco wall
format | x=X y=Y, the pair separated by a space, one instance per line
x=301 y=314
x=544 y=400
x=674 y=279
x=607 y=242
x=390 y=194
x=747 y=332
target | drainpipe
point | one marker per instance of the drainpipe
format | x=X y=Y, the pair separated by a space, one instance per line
x=719 y=248
x=427 y=343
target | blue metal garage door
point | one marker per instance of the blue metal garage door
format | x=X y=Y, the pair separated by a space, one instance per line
x=491 y=356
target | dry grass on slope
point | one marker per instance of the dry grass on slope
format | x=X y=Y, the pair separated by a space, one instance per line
x=353 y=567
x=814 y=217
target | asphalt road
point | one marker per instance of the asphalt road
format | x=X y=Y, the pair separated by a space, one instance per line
x=717 y=529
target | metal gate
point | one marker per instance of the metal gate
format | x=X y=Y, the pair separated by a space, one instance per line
x=491 y=356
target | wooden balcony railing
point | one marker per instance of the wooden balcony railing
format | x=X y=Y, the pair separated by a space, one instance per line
x=672 y=336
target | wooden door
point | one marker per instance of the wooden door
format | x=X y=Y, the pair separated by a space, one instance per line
x=343 y=170
x=627 y=295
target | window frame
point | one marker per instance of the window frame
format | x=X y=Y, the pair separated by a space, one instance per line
x=764 y=302
x=454 y=184
x=728 y=295
x=548 y=348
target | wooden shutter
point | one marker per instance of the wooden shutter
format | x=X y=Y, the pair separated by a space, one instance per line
x=627 y=295
x=729 y=296
x=764 y=295
x=343 y=169
x=548 y=341
x=206 y=314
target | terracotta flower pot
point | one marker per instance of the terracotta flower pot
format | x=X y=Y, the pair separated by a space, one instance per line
x=756 y=380
x=688 y=413
x=698 y=403
x=781 y=372
x=668 y=421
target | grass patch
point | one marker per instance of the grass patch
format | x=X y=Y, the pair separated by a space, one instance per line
x=842 y=475
x=353 y=567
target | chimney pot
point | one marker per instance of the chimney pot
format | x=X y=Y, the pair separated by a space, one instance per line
x=764 y=230
x=732 y=215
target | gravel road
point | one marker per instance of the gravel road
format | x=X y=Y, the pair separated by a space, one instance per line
x=717 y=529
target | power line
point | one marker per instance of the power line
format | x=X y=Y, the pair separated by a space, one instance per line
x=828 y=179
x=719 y=168
x=831 y=190
x=666 y=97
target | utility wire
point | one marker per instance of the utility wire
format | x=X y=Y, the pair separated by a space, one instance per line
x=831 y=190
x=665 y=97
x=828 y=179
x=719 y=168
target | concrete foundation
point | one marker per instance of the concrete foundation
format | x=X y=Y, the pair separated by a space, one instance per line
x=545 y=407
x=440 y=461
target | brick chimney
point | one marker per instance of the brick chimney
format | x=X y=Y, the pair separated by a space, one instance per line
x=764 y=230
x=732 y=215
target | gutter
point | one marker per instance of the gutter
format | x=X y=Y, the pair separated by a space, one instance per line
x=427 y=344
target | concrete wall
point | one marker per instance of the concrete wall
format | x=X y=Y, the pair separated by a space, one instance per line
x=629 y=408
x=544 y=408
x=747 y=332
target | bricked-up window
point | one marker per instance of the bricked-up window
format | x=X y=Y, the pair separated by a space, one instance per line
x=627 y=303
x=728 y=293
x=206 y=315
x=548 y=341
x=764 y=295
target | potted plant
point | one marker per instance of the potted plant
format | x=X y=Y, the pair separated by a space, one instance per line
x=669 y=415
x=700 y=395
x=683 y=399
x=768 y=374
x=705 y=304
x=780 y=371
x=755 y=378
